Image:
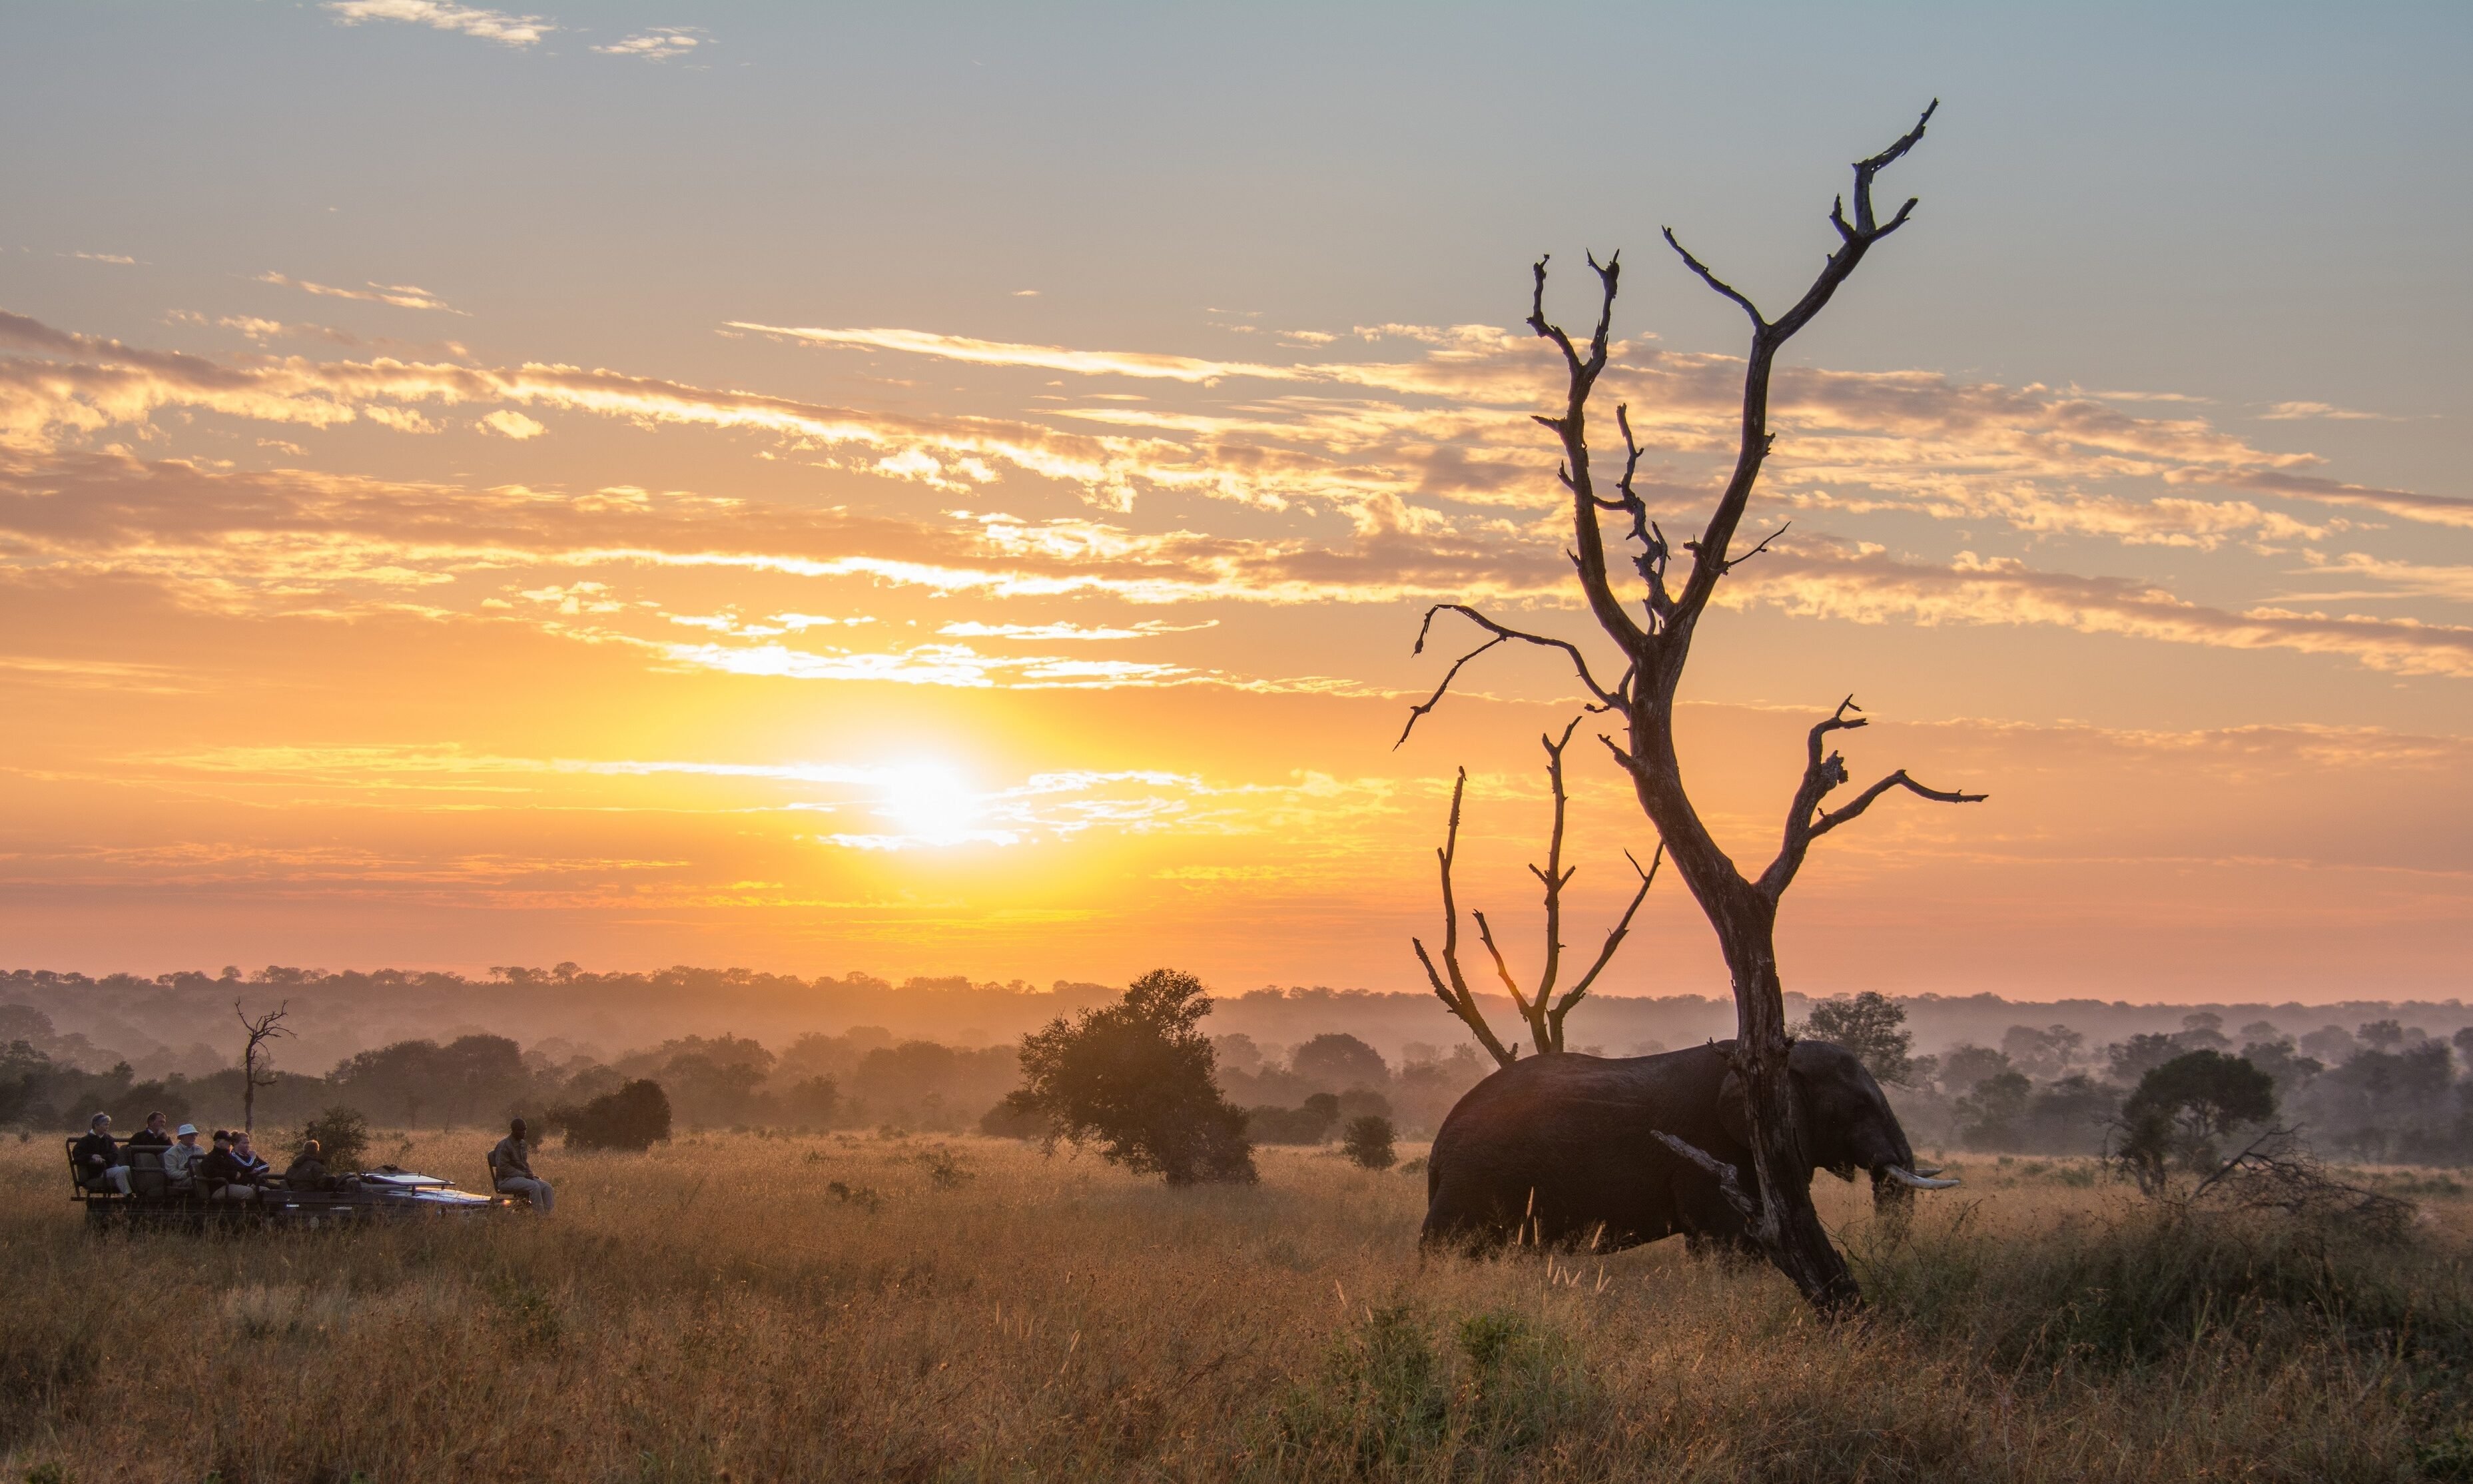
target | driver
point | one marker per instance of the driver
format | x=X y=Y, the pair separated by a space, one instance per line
x=513 y=1171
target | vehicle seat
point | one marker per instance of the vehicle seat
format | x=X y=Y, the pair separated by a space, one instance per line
x=146 y=1175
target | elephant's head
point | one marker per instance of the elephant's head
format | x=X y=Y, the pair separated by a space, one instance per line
x=1846 y=1121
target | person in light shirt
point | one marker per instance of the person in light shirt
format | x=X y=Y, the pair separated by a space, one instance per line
x=181 y=1161
x=510 y=1167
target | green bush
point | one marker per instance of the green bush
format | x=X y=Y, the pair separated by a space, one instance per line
x=636 y=1116
x=1368 y=1142
x=1135 y=1079
x=343 y=1137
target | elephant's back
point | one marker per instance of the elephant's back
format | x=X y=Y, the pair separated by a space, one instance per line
x=1570 y=1102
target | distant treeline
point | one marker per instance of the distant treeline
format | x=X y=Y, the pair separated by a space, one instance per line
x=2382 y=1091
x=2370 y=1079
x=181 y=1023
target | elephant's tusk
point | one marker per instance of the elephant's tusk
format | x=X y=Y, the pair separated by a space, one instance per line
x=1925 y=1169
x=1914 y=1181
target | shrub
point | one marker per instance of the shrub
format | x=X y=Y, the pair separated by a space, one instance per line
x=1395 y=1401
x=636 y=1116
x=2182 y=1107
x=1368 y=1142
x=1136 y=1079
x=343 y=1137
x=2148 y=1281
x=1872 y=1026
x=1006 y=1120
x=1310 y=1124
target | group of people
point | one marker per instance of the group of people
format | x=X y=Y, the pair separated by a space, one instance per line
x=232 y=1170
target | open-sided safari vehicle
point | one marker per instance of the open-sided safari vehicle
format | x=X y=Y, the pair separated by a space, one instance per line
x=386 y=1194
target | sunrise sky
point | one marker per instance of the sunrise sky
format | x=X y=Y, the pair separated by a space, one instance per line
x=941 y=490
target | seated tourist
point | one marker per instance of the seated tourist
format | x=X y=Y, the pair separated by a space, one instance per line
x=259 y=1171
x=308 y=1171
x=224 y=1176
x=181 y=1161
x=157 y=1135
x=513 y=1171
x=99 y=1165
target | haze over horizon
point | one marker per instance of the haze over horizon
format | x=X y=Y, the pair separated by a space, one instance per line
x=954 y=491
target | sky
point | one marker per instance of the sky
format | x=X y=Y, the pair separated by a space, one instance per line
x=950 y=489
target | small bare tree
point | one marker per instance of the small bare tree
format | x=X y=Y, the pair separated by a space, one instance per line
x=1541 y=1011
x=256 y=1061
x=1655 y=642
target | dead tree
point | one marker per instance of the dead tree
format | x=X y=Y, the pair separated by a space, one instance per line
x=1541 y=1010
x=1653 y=628
x=254 y=1057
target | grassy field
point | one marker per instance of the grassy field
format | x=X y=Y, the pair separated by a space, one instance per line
x=855 y=1307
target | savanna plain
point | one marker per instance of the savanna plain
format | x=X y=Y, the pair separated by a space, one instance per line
x=750 y=1306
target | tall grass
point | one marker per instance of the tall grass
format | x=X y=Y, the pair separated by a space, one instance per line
x=715 y=1310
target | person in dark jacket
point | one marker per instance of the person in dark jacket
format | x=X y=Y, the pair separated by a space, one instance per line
x=224 y=1176
x=97 y=1157
x=307 y=1172
x=157 y=1135
x=259 y=1171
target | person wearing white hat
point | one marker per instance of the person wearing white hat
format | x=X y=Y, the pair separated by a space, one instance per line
x=180 y=1161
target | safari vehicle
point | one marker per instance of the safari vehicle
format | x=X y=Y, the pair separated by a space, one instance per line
x=386 y=1194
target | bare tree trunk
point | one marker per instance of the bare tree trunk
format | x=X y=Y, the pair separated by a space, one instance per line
x=1653 y=625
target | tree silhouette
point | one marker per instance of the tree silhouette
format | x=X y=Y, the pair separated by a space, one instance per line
x=254 y=1056
x=1653 y=625
x=1541 y=1010
x=1134 y=1078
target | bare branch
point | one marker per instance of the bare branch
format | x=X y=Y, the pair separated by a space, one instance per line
x=1709 y=561
x=1762 y=547
x=1502 y=969
x=1897 y=779
x=1605 y=699
x=1821 y=776
x=1572 y=427
x=1758 y=324
x=1866 y=169
x=1458 y=996
x=1545 y=327
x=1728 y=1184
x=1614 y=940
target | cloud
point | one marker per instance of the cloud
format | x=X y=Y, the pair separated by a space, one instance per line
x=973 y=628
x=2292 y=412
x=404 y=296
x=1868 y=586
x=2447 y=509
x=507 y=424
x=659 y=44
x=107 y=257
x=517 y=31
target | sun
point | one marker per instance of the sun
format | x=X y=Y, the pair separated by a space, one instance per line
x=927 y=801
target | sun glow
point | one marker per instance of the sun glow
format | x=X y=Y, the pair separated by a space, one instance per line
x=928 y=802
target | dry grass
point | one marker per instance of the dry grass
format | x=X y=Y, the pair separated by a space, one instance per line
x=965 y=1309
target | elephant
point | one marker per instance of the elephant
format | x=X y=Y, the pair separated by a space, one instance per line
x=1561 y=1149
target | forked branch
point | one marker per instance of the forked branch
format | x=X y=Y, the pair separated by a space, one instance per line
x=1542 y=1009
x=1805 y=822
x=1605 y=700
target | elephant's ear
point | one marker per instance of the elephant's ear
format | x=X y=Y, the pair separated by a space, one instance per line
x=1734 y=1112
